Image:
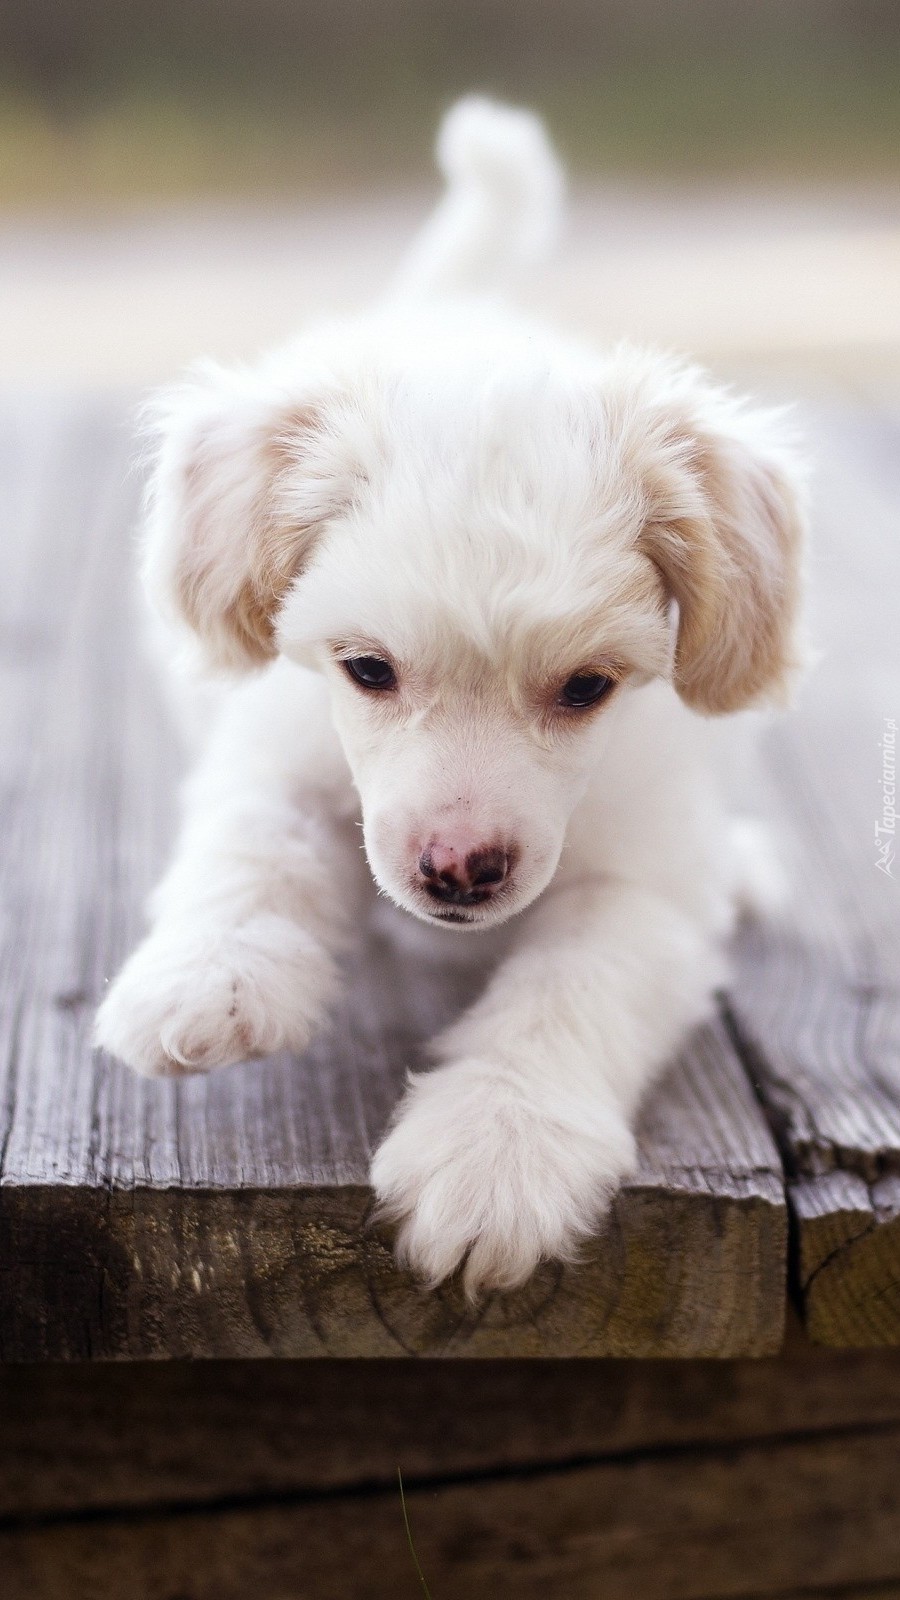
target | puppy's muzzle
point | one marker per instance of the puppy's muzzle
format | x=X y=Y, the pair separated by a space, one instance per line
x=456 y=877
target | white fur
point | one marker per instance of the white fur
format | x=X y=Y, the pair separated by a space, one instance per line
x=502 y=208
x=494 y=508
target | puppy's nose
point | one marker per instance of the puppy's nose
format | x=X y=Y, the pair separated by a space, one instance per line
x=462 y=877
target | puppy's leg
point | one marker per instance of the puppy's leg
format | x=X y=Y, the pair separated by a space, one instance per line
x=240 y=960
x=510 y=1150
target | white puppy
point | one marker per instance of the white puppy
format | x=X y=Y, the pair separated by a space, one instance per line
x=472 y=583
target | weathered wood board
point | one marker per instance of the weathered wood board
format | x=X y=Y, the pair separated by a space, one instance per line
x=228 y=1217
x=816 y=1005
x=561 y=1478
x=92 y=1438
x=813 y=1516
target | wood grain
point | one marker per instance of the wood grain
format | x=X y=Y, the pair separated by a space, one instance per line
x=808 y=1516
x=228 y=1217
x=817 y=1003
x=93 y=1437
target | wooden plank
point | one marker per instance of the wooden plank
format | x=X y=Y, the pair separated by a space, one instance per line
x=813 y=1517
x=91 y=1437
x=228 y=1217
x=817 y=1006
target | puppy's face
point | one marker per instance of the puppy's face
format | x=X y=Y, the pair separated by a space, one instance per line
x=468 y=767
x=480 y=643
x=484 y=568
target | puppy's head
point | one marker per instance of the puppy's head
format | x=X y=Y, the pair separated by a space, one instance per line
x=487 y=557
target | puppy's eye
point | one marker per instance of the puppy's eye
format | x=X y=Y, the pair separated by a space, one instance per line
x=585 y=689
x=370 y=672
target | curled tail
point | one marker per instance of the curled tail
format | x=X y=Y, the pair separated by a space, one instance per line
x=502 y=207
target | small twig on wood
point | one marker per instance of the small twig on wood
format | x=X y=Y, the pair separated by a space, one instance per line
x=409 y=1538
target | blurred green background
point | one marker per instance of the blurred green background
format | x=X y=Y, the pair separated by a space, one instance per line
x=102 y=101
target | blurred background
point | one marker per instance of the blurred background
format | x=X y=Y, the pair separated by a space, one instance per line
x=198 y=176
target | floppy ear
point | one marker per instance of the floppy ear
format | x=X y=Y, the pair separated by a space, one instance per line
x=243 y=481
x=725 y=528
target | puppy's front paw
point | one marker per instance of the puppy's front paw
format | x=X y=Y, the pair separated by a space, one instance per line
x=193 y=998
x=476 y=1171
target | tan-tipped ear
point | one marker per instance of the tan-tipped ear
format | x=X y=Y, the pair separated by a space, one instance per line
x=230 y=521
x=726 y=530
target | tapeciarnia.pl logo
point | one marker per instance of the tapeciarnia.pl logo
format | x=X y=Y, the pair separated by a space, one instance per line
x=885 y=830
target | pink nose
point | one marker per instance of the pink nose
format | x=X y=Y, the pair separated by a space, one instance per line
x=460 y=875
